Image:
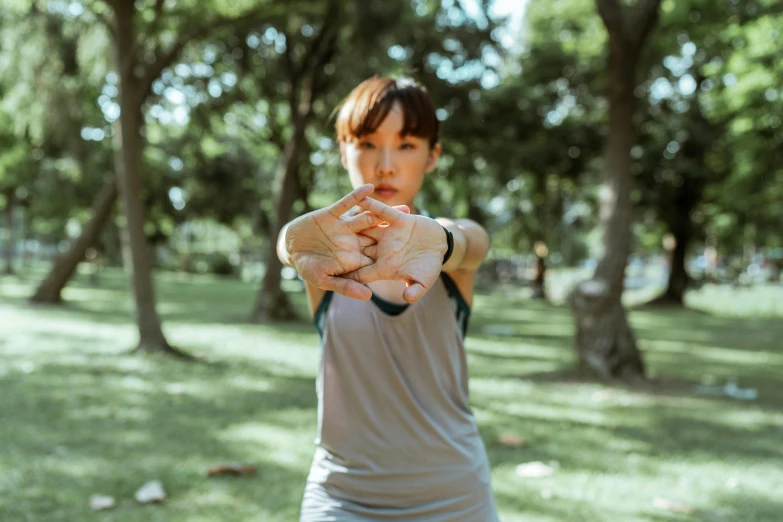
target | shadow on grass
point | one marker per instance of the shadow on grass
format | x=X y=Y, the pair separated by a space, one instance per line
x=83 y=421
x=187 y=299
x=748 y=507
x=98 y=428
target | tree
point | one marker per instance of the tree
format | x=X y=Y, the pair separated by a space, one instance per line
x=305 y=82
x=63 y=268
x=67 y=106
x=605 y=342
x=140 y=58
x=685 y=145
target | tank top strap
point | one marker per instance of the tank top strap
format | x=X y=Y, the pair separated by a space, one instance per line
x=458 y=304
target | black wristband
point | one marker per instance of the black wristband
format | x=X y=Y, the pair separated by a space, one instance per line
x=449 y=245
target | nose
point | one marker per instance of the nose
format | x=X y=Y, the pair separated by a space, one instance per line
x=385 y=163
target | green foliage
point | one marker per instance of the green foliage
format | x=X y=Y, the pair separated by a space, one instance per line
x=522 y=127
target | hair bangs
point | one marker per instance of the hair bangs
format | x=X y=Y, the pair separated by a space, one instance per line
x=367 y=106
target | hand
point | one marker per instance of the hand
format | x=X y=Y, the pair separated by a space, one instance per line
x=326 y=243
x=409 y=248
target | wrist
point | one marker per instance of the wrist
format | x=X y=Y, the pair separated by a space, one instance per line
x=449 y=245
x=291 y=245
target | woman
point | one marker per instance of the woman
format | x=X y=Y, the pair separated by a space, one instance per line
x=390 y=289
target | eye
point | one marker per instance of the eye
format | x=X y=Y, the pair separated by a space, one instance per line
x=407 y=146
x=366 y=145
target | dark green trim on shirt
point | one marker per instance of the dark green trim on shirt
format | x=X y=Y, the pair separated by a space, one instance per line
x=320 y=313
x=388 y=307
x=460 y=306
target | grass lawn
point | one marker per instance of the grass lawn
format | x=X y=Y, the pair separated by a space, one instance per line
x=79 y=417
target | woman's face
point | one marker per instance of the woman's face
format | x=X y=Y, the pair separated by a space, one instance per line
x=395 y=164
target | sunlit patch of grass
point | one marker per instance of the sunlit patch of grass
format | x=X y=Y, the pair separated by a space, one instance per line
x=81 y=416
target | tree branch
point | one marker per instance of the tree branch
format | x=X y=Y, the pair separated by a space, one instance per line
x=319 y=78
x=317 y=44
x=166 y=58
x=292 y=71
x=612 y=15
x=644 y=22
x=275 y=130
x=321 y=53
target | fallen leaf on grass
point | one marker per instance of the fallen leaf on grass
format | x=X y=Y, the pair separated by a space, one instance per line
x=101 y=502
x=670 y=505
x=602 y=395
x=535 y=469
x=511 y=441
x=231 y=469
x=174 y=388
x=151 y=492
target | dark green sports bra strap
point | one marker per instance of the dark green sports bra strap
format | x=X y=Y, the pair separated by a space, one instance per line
x=320 y=313
x=461 y=308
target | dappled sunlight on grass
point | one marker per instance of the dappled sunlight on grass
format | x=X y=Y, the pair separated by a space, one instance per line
x=81 y=416
x=742 y=302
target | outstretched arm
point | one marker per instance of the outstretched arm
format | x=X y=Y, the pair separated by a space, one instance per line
x=471 y=244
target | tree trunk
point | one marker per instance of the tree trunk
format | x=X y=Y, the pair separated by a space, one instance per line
x=605 y=342
x=305 y=83
x=9 y=225
x=129 y=178
x=682 y=230
x=272 y=304
x=50 y=290
x=24 y=230
x=678 y=275
x=540 y=250
x=539 y=280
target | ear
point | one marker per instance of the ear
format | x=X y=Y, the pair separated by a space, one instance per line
x=342 y=155
x=433 y=159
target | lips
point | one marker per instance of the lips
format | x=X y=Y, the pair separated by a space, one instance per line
x=385 y=191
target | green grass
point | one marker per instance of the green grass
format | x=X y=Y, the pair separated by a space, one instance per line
x=78 y=416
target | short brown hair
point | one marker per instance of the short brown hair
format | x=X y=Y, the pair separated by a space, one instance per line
x=365 y=108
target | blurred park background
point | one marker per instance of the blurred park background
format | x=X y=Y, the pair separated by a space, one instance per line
x=625 y=155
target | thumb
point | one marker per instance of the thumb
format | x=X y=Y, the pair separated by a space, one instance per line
x=414 y=292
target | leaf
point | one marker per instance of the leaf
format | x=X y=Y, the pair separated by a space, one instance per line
x=231 y=469
x=151 y=492
x=512 y=441
x=670 y=505
x=602 y=395
x=102 y=502
x=535 y=469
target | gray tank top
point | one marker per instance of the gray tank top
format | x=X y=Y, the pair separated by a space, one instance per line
x=397 y=439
